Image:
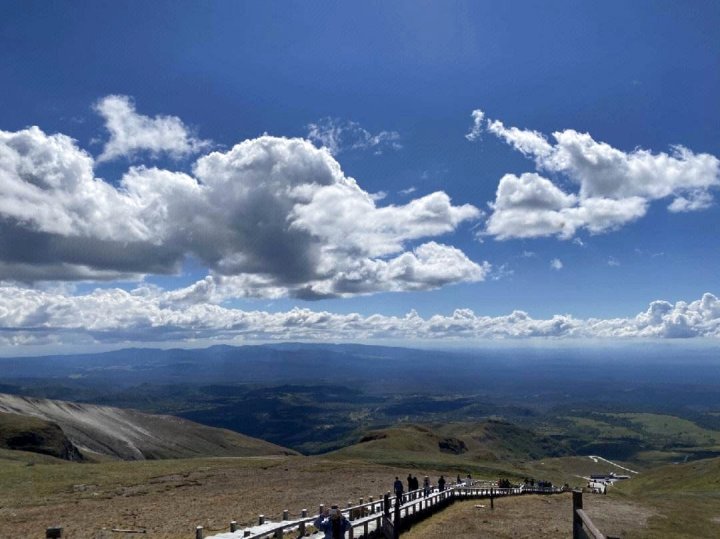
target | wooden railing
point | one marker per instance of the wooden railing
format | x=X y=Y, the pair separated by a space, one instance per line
x=384 y=517
x=583 y=527
x=381 y=518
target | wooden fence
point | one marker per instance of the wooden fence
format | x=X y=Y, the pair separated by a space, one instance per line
x=583 y=527
x=385 y=517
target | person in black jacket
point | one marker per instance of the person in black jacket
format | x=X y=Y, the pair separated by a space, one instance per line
x=398 y=487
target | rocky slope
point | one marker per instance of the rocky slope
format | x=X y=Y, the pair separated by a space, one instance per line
x=131 y=435
x=24 y=433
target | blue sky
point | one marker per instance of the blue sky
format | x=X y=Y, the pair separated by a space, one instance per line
x=590 y=228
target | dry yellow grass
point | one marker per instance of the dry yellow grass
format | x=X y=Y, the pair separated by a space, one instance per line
x=169 y=498
x=531 y=517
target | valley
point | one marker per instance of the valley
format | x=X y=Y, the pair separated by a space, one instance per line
x=236 y=438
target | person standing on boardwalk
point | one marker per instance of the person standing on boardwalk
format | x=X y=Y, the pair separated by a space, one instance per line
x=398 y=487
x=332 y=523
x=415 y=486
x=426 y=486
x=441 y=483
x=409 y=483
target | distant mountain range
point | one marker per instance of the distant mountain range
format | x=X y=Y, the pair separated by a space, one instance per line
x=315 y=398
x=378 y=369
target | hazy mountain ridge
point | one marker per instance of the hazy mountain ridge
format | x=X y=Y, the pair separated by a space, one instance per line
x=316 y=398
x=131 y=435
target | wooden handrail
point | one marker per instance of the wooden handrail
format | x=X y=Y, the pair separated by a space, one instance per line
x=415 y=502
x=588 y=527
x=583 y=526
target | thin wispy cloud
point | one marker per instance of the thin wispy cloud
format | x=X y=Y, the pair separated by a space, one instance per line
x=339 y=136
x=477 y=127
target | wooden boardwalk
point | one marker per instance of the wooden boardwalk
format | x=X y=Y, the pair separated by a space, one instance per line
x=384 y=517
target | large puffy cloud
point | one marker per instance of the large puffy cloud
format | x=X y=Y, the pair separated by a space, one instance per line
x=532 y=206
x=284 y=209
x=131 y=132
x=58 y=221
x=613 y=187
x=32 y=316
x=47 y=183
x=271 y=216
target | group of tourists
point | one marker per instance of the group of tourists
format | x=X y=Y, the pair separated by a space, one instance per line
x=334 y=524
x=413 y=487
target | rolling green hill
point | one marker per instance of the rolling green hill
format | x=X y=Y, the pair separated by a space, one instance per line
x=487 y=447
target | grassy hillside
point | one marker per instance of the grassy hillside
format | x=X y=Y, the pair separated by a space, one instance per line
x=489 y=447
x=643 y=438
x=23 y=433
x=168 y=498
x=685 y=497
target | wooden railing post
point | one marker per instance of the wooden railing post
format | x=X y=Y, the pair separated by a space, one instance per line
x=301 y=527
x=577 y=521
x=233 y=526
x=54 y=532
x=397 y=519
x=199 y=532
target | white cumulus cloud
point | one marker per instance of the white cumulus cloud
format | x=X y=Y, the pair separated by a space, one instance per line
x=610 y=187
x=131 y=132
x=33 y=316
x=271 y=216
